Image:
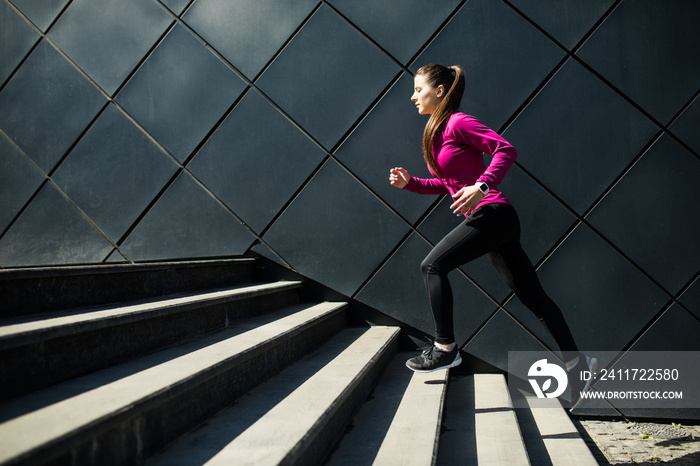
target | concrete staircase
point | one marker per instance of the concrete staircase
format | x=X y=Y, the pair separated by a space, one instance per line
x=204 y=363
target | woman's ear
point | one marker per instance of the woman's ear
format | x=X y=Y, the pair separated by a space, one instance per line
x=440 y=91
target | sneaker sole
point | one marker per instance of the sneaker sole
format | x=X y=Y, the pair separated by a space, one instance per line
x=455 y=363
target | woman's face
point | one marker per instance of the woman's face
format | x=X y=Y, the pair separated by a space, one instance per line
x=426 y=97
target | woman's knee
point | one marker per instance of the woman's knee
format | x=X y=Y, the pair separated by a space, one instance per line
x=430 y=267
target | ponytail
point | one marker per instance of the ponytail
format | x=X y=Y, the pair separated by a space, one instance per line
x=437 y=75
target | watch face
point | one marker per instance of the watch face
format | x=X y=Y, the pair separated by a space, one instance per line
x=483 y=188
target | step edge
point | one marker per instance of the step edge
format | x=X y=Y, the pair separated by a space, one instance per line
x=292 y=377
x=106 y=420
x=31 y=273
x=386 y=448
x=106 y=316
x=373 y=369
x=583 y=455
x=508 y=410
x=310 y=435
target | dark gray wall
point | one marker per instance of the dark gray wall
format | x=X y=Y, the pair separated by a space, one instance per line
x=145 y=130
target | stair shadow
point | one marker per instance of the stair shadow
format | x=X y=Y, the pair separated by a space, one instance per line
x=458 y=436
x=19 y=406
x=211 y=437
x=534 y=441
x=434 y=382
x=365 y=434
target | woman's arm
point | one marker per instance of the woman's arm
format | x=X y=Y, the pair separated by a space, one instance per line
x=400 y=178
x=486 y=140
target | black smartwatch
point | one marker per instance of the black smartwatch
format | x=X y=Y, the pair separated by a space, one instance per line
x=483 y=187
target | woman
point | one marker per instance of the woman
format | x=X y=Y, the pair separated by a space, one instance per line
x=453 y=147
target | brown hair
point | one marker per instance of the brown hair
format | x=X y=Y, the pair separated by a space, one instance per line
x=436 y=75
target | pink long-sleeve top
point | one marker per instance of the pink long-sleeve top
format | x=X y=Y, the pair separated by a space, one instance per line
x=460 y=147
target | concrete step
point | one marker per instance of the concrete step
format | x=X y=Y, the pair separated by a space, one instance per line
x=550 y=435
x=498 y=437
x=39 y=351
x=481 y=427
x=48 y=289
x=297 y=416
x=230 y=372
x=485 y=423
x=127 y=412
x=400 y=423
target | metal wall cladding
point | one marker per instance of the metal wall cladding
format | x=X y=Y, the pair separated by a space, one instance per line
x=175 y=129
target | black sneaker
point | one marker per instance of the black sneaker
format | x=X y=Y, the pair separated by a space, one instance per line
x=433 y=359
x=577 y=385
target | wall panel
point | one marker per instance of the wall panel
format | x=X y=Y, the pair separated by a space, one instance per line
x=177 y=129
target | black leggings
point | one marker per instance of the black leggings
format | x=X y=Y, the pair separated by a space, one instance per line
x=493 y=229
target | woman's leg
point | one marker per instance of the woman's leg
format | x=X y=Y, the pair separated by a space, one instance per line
x=517 y=271
x=484 y=230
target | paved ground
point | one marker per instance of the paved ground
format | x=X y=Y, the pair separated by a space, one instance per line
x=622 y=442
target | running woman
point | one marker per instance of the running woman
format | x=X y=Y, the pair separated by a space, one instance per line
x=453 y=147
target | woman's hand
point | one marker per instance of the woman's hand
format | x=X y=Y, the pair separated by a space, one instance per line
x=399 y=177
x=466 y=199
